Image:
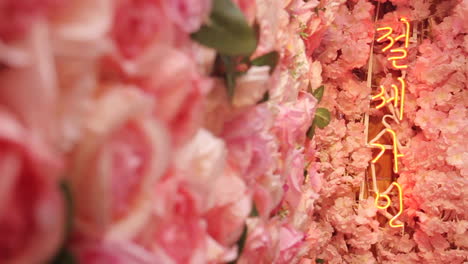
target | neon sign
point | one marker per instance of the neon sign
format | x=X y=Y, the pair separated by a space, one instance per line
x=394 y=100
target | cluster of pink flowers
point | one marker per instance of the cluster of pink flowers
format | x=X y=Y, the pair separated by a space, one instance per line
x=434 y=170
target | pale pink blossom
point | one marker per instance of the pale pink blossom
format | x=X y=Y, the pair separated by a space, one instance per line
x=251 y=87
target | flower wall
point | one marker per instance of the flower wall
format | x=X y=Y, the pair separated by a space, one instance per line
x=218 y=131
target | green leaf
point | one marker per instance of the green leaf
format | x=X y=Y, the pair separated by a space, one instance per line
x=227 y=31
x=254 y=212
x=311 y=131
x=270 y=59
x=230 y=84
x=266 y=97
x=322 y=117
x=318 y=93
x=65 y=256
x=67 y=197
x=230 y=77
x=319 y=261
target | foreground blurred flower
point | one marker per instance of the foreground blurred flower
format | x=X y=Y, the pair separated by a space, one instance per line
x=116 y=252
x=188 y=14
x=31 y=206
x=270 y=242
x=115 y=169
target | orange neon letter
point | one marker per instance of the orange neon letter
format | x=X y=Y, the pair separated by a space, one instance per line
x=386 y=36
x=382 y=150
x=395 y=96
x=396 y=155
x=402 y=96
x=376 y=202
x=395 y=58
x=400 y=211
x=407 y=32
x=380 y=96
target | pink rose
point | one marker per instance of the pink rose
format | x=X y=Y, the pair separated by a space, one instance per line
x=116 y=252
x=251 y=147
x=293 y=120
x=176 y=227
x=115 y=167
x=233 y=204
x=138 y=23
x=16 y=17
x=270 y=242
x=294 y=174
x=202 y=162
x=178 y=90
x=31 y=206
x=290 y=241
x=261 y=243
x=31 y=91
x=83 y=20
x=188 y=14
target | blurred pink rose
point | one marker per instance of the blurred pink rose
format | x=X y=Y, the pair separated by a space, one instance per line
x=294 y=174
x=31 y=206
x=261 y=243
x=116 y=165
x=30 y=91
x=270 y=242
x=176 y=226
x=178 y=90
x=138 y=23
x=202 y=162
x=293 y=120
x=188 y=14
x=268 y=193
x=233 y=204
x=290 y=241
x=250 y=146
x=116 y=252
x=17 y=16
x=83 y=20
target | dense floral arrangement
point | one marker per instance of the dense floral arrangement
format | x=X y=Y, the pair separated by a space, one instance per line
x=195 y=131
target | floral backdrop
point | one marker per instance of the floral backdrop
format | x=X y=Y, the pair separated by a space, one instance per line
x=225 y=131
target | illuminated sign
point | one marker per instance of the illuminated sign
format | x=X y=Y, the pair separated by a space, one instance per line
x=394 y=100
